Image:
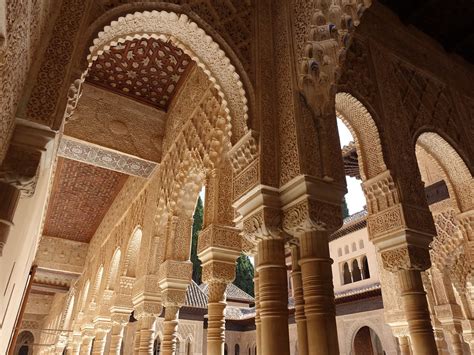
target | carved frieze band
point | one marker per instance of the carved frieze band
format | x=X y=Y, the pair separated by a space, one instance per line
x=105 y=158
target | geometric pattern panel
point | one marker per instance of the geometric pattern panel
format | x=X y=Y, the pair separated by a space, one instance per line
x=148 y=70
x=80 y=198
x=105 y=158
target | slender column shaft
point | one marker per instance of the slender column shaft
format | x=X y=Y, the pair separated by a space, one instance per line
x=216 y=318
x=116 y=337
x=147 y=335
x=273 y=297
x=416 y=312
x=136 y=341
x=258 y=323
x=99 y=342
x=404 y=344
x=86 y=345
x=300 y=318
x=170 y=327
x=318 y=292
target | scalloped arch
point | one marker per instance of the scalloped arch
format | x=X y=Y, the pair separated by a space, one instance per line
x=365 y=133
x=194 y=41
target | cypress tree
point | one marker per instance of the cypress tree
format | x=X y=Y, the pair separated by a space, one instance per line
x=345 y=209
x=244 y=274
x=197 y=226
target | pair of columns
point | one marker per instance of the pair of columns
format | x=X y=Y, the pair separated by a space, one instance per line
x=314 y=296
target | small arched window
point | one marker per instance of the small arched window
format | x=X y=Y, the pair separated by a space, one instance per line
x=346 y=249
x=356 y=274
x=346 y=274
x=339 y=252
x=361 y=244
x=365 y=268
x=237 y=349
x=354 y=246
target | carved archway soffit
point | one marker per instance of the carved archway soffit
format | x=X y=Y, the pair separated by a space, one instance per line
x=193 y=41
x=325 y=39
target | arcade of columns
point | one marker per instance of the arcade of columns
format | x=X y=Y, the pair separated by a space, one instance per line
x=274 y=181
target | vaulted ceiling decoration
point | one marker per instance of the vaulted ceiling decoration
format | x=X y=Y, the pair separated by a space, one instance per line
x=148 y=70
x=80 y=198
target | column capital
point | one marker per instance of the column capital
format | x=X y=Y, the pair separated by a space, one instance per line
x=261 y=214
x=174 y=278
x=147 y=297
x=407 y=257
x=311 y=203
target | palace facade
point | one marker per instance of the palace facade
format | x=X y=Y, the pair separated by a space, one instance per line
x=115 y=114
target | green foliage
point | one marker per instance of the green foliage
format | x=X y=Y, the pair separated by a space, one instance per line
x=244 y=274
x=197 y=226
x=345 y=210
x=244 y=269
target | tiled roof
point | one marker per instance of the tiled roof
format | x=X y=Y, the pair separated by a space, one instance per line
x=357 y=291
x=233 y=293
x=195 y=297
x=235 y=313
x=351 y=224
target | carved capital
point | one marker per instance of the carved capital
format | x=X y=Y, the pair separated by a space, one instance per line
x=147 y=296
x=219 y=271
x=174 y=278
x=311 y=204
x=407 y=257
x=216 y=291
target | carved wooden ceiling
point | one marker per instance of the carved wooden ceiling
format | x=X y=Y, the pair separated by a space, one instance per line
x=80 y=198
x=147 y=70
